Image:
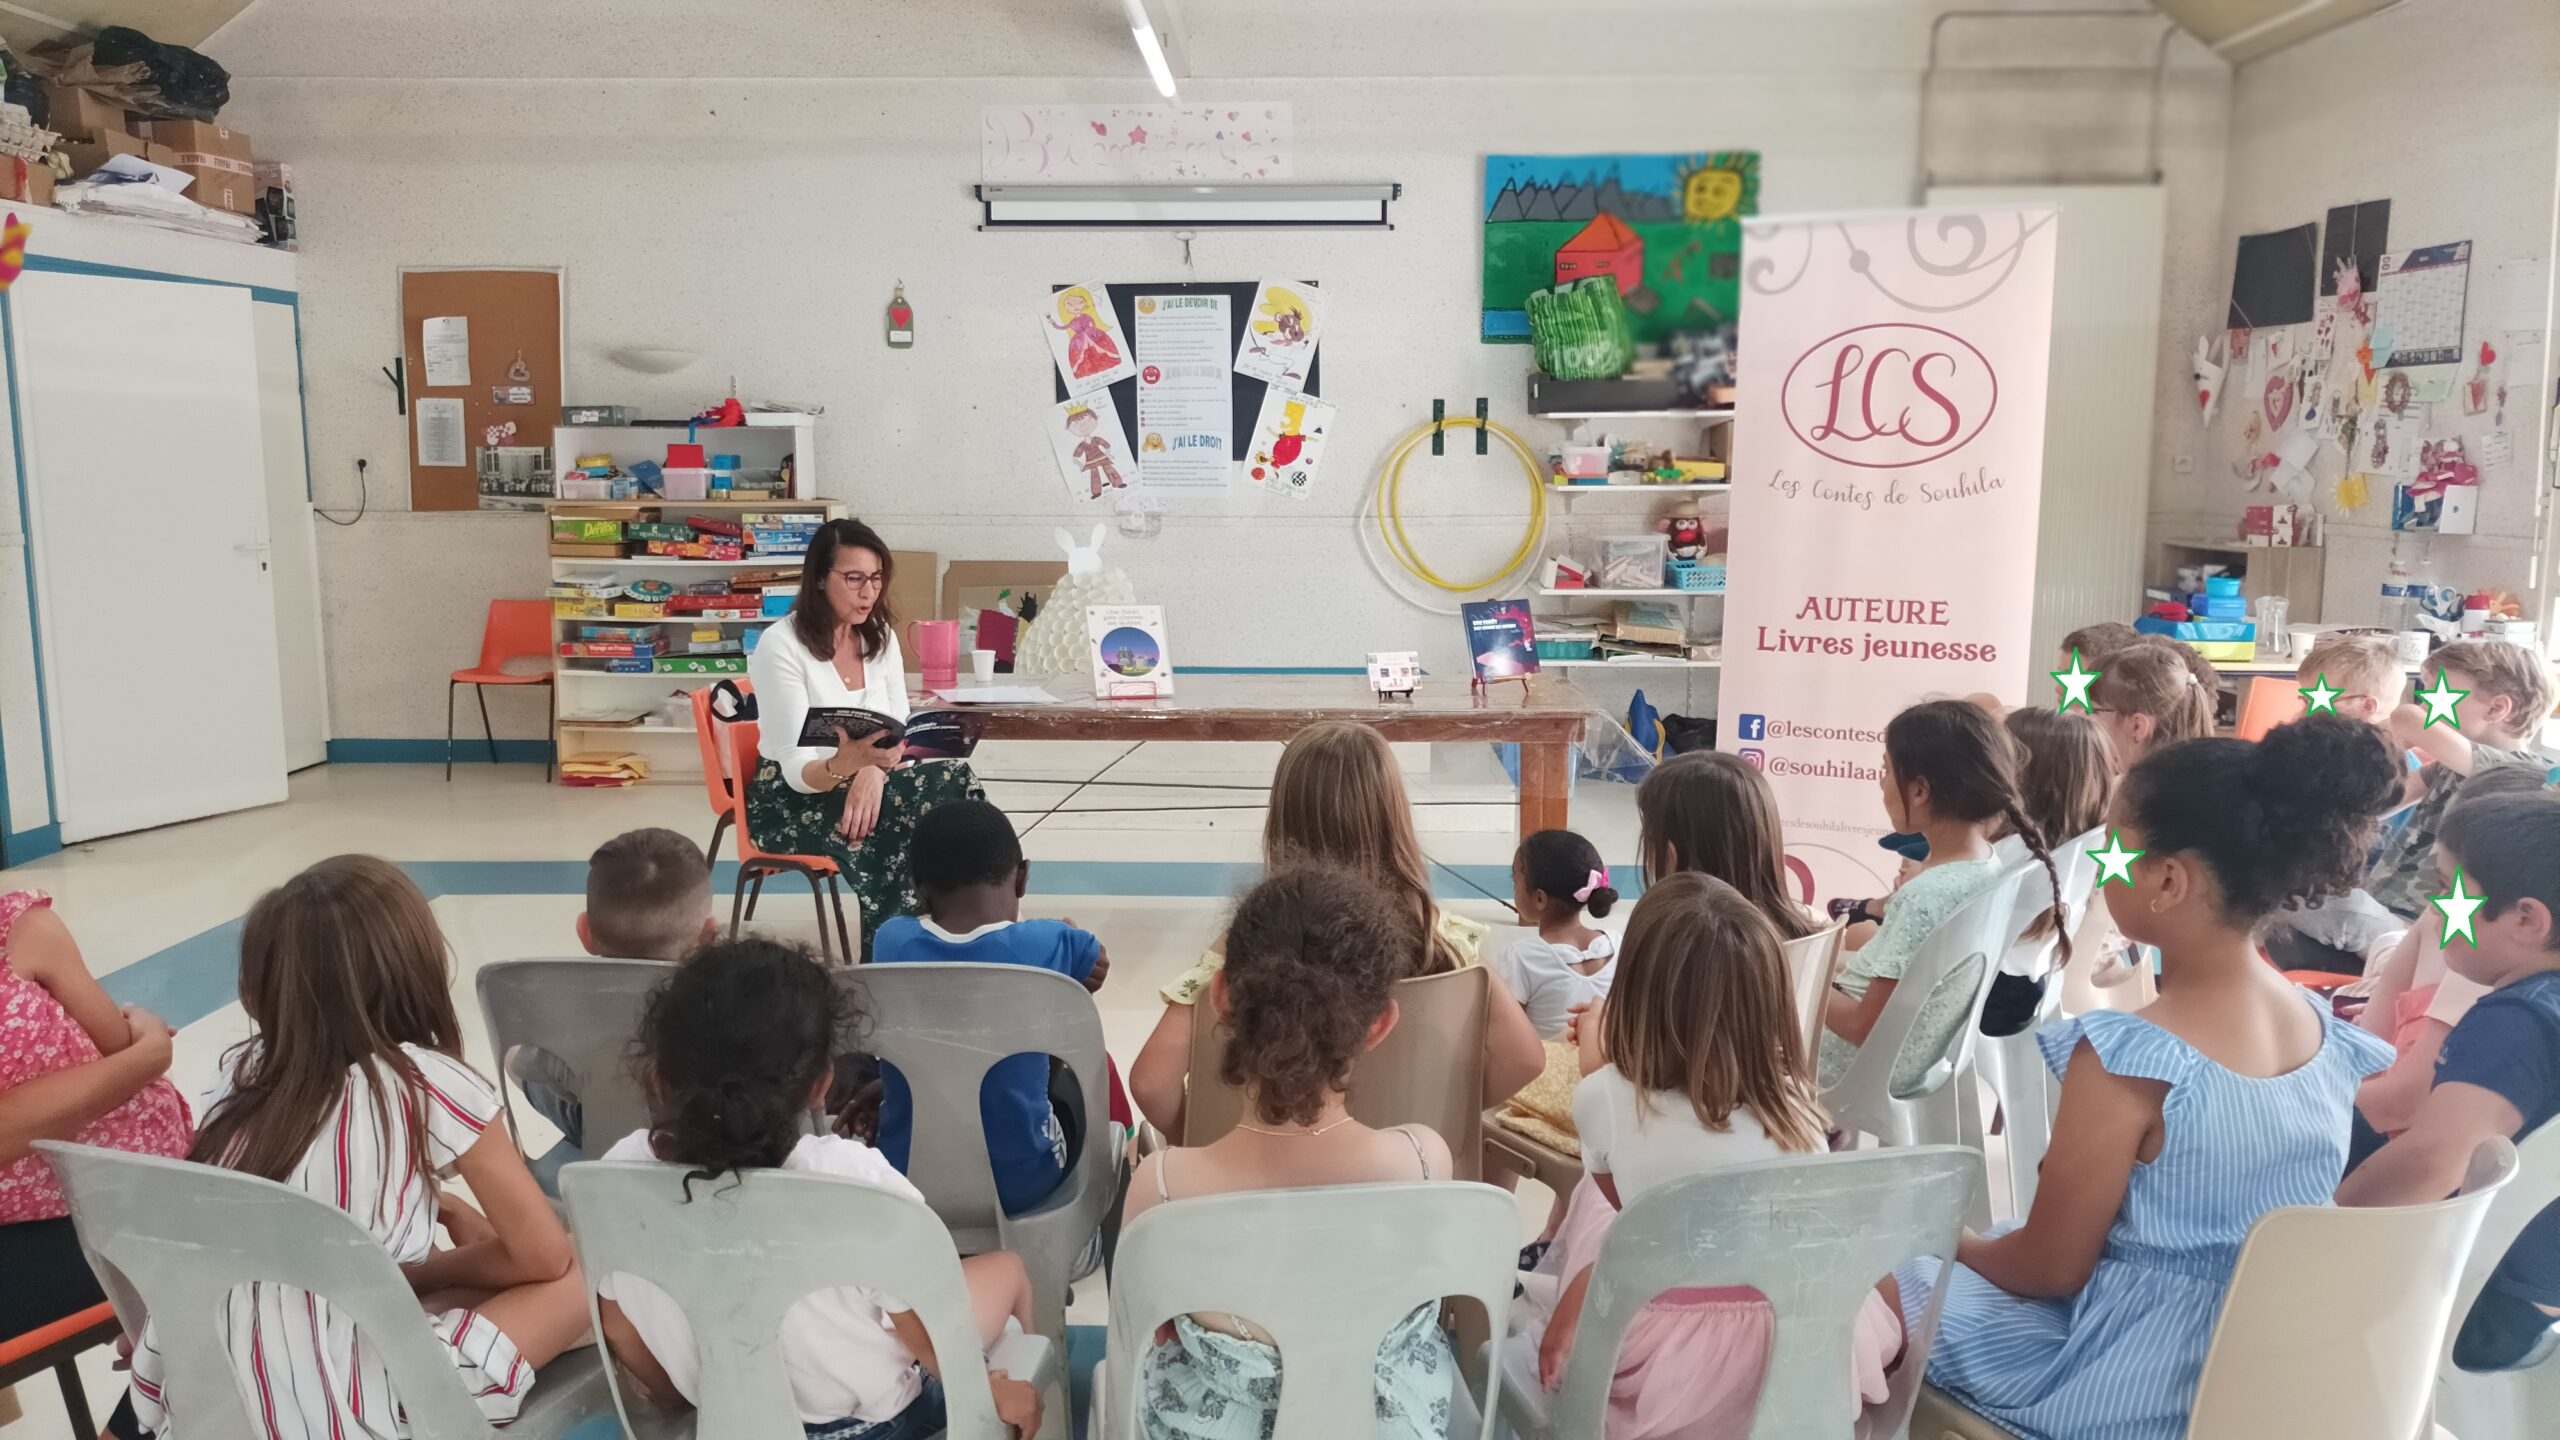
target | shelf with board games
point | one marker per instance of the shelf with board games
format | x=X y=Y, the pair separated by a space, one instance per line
x=683 y=617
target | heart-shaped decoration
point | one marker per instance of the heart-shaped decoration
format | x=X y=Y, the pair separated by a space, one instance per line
x=2279 y=401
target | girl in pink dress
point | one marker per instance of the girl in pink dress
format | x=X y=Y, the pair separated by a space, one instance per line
x=1693 y=1063
x=72 y=1067
x=1090 y=348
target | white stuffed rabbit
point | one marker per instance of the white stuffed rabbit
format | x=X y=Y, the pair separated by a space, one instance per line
x=1054 y=642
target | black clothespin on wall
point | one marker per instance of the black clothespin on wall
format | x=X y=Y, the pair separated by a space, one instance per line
x=1480 y=429
x=399 y=386
x=1439 y=413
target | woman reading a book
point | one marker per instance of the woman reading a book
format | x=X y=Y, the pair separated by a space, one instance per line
x=853 y=800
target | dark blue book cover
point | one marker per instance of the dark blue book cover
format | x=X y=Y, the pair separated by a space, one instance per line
x=1500 y=639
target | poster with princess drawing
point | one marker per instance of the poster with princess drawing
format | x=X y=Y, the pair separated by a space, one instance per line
x=1092 y=450
x=1085 y=339
x=1279 y=343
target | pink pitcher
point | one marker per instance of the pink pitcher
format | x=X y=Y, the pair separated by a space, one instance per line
x=937 y=646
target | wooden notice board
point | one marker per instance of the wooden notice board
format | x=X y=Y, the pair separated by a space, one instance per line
x=511 y=314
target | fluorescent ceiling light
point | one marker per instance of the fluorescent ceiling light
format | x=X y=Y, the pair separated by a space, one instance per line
x=1143 y=31
x=1186 y=207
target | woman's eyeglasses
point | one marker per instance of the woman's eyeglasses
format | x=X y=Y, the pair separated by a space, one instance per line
x=861 y=579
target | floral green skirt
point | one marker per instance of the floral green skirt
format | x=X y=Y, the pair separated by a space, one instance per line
x=787 y=822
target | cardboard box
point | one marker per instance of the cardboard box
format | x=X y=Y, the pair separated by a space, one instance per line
x=81 y=114
x=88 y=155
x=969 y=586
x=25 y=182
x=205 y=137
x=220 y=187
x=915 y=579
x=159 y=154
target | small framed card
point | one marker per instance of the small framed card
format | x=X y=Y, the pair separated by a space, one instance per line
x=1131 y=660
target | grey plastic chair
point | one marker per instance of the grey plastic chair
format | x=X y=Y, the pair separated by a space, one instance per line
x=1326 y=1273
x=179 y=1236
x=1813 y=1235
x=1965 y=950
x=1428 y=1071
x=944 y=1026
x=746 y=1248
x=587 y=1012
x=2011 y=1067
x=2503 y=1404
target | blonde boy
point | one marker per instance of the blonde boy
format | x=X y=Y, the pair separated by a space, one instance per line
x=2510 y=696
x=2363 y=668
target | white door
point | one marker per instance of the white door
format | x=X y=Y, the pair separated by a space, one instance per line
x=293 y=555
x=148 y=476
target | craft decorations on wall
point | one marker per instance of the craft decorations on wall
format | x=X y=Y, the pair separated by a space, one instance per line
x=2208 y=373
x=1092 y=450
x=2475 y=391
x=1667 y=228
x=1085 y=338
x=1136 y=144
x=2442 y=493
x=1186 y=400
x=1280 y=333
x=2271 y=278
x=13 y=249
x=2276 y=391
x=2354 y=238
x=2418 y=307
x=1288 y=443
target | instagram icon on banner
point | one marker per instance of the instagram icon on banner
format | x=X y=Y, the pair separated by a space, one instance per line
x=1754 y=757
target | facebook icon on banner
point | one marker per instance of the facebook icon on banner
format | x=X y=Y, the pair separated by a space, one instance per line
x=1751 y=727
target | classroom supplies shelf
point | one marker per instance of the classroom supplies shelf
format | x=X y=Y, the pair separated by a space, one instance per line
x=593 y=602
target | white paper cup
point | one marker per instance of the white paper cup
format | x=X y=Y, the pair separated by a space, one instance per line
x=2300 y=638
x=2412 y=645
x=982 y=663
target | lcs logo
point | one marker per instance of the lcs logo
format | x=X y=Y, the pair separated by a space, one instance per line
x=1883 y=396
x=1751 y=727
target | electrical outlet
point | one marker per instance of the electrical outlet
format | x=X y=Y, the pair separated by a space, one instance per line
x=2183 y=465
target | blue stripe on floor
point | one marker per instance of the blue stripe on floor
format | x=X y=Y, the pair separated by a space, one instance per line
x=185 y=982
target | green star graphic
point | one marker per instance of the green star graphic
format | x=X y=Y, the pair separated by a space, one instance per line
x=2115 y=863
x=2075 y=683
x=2320 y=697
x=2441 y=703
x=2458 y=906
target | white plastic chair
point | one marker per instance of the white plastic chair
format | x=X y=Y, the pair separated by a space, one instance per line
x=1810 y=961
x=746 y=1248
x=1326 y=1273
x=587 y=1012
x=1964 y=950
x=2504 y=1404
x=1812 y=1235
x=2011 y=1066
x=2332 y=1326
x=177 y=1237
x=945 y=1026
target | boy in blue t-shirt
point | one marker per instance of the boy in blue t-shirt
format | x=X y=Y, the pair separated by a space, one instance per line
x=970 y=875
x=2499 y=1071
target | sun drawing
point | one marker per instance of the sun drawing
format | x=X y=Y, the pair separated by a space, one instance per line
x=1719 y=187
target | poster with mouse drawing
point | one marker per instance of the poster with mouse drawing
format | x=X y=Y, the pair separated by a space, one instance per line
x=1288 y=443
x=1085 y=339
x=1092 y=450
x=1279 y=344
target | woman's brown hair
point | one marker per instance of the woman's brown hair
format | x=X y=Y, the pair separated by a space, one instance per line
x=1311 y=965
x=1337 y=798
x=2066 y=771
x=2163 y=679
x=1715 y=816
x=1701 y=1008
x=813 y=620
x=340 y=966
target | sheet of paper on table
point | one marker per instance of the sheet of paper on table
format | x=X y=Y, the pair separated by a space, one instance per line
x=995 y=695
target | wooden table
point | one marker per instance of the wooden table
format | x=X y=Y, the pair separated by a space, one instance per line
x=1547 y=721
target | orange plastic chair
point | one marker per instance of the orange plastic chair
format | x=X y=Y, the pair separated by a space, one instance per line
x=516 y=630
x=2272 y=700
x=57 y=1347
x=717 y=783
x=755 y=864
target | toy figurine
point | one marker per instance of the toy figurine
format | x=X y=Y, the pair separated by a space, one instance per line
x=1688 y=533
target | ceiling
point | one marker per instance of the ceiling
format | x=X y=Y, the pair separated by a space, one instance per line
x=2242 y=30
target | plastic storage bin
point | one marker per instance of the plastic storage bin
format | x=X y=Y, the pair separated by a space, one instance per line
x=1697 y=577
x=1632 y=562
x=687 y=484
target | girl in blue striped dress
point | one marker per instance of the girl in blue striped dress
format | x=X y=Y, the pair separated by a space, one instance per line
x=2183 y=1123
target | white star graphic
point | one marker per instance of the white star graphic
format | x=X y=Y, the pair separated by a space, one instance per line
x=2458 y=906
x=2075 y=683
x=2115 y=863
x=2320 y=697
x=2441 y=702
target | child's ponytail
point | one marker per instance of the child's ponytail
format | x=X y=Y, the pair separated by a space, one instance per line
x=2053 y=921
x=1565 y=866
x=1970 y=765
x=733 y=1044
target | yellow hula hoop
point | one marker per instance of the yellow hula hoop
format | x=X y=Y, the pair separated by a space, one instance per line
x=1391 y=516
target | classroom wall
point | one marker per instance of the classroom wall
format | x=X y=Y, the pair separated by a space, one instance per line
x=2450 y=109
x=761 y=216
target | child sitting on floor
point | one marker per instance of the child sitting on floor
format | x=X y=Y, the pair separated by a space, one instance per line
x=1337 y=799
x=1949 y=773
x=2179 y=1126
x=737 y=1047
x=648 y=898
x=1313 y=954
x=1556 y=879
x=970 y=877
x=1699 y=1065
x=352 y=1090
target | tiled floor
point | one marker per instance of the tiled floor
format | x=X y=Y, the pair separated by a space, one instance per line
x=1145 y=862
